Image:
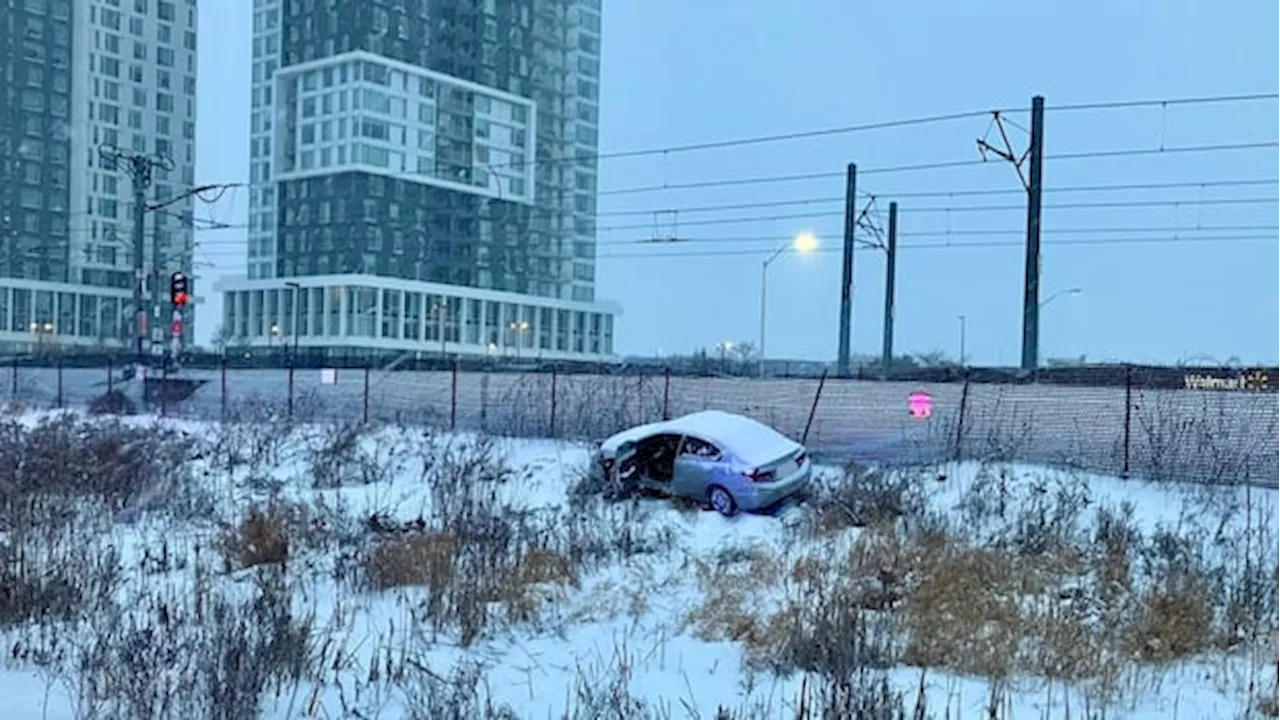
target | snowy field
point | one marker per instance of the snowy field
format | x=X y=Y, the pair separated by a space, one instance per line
x=192 y=570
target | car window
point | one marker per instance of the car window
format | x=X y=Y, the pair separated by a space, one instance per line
x=699 y=448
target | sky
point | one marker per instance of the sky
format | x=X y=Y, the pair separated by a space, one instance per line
x=677 y=73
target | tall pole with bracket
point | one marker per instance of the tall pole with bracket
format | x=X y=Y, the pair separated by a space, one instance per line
x=1032 y=181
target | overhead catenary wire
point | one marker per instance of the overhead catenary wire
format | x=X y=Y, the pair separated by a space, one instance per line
x=955 y=193
x=238 y=246
x=1272 y=235
x=886 y=125
x=1100 y=242
x=1078 y=155
x=1193 y=202
x=961 y=233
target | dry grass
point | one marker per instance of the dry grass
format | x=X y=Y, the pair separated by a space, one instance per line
x=1009 y=589
x=440 y=562
x=1175 y=619
x=423 y=559
x=263 y=536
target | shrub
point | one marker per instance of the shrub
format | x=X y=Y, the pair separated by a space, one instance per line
x=865 y=496
x=112 y=403
x=262 y=537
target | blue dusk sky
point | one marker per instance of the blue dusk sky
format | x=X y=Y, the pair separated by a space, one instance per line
x=1200 y=282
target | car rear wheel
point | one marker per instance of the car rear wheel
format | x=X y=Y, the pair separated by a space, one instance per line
x=722 y=502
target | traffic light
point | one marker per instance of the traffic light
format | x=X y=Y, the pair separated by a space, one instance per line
x=178 y=292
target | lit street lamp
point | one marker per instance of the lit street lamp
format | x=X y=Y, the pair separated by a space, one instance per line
x=805 y=242
x=41 y=329
x=1060 y=293
x=518 y=328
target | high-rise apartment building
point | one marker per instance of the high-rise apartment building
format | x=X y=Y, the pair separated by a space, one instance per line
x=424 y=178
x=80 y=76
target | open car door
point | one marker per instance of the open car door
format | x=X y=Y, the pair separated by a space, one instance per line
x=624 y=475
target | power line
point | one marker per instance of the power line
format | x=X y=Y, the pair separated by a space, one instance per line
x=958 y=209
x=239 y=245
x=885 y=125
x=941 y=193
x=1202 y=100
x=964 y=233
x=960 y=246
x=1081 y=155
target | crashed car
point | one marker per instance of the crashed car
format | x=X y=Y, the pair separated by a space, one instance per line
x=729 y=461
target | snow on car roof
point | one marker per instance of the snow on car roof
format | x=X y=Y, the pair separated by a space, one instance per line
x=752 y=441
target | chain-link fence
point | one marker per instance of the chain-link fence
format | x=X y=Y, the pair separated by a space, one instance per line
x=1213 y=426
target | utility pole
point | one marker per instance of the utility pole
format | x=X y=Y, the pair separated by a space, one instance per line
x=1031 y=289
x=890 y=270
x=1032 y=182
x=140 y=169
x=846 y=281
x=156 y=274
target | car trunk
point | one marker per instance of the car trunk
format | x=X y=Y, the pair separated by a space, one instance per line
x=781 y=467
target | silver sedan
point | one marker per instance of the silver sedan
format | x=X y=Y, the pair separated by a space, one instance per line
x=730 y=461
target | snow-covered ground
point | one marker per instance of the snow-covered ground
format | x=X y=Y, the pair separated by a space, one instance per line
x=429 y=571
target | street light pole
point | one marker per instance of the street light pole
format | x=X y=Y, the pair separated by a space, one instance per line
x=804 y=242
x=293 y=354
x=1040 y=308
x=439 y=308
x=961 y=318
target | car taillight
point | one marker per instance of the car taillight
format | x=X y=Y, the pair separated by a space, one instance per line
x=760 y=475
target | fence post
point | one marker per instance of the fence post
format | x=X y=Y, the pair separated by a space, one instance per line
x=366 y=395
x=59 y=382
x=640 y=415
x=554 y=376
x=964 y=401
x=813 y=409
x=111 y=376
x=666 y=393
x=291 y=364
x=223 y=399
x=14 y=379
x=1128 y=416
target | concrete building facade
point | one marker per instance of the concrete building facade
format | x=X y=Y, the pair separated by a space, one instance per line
x=82 y=76
x=424 y=154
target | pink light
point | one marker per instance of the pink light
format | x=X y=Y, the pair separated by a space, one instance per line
x=920 y=405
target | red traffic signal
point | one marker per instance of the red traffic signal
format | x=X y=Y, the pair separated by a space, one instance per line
x=179 y=292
